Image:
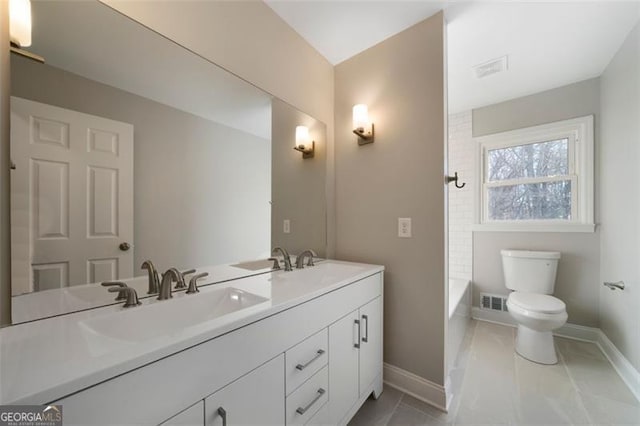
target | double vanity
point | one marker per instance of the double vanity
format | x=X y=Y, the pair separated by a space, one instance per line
x=286 y=347
x=300 y=345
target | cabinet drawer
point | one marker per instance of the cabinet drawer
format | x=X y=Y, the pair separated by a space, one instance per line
x=305 y=359
x=192 y=416
x=321 y=418
x=305 y=401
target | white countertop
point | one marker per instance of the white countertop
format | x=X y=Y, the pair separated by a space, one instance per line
x=49 y=303
x=43 y=361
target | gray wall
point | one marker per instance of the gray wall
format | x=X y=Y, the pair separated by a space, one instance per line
x=297 y=186
x=620 y=208
x=249 y=39
x=400 y=175
x=579 y=269
x=201 y=189
x=562 y=103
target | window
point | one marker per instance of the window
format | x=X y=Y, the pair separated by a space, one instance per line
x=537 y=179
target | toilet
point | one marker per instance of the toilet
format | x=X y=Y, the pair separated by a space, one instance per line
x=532 y=277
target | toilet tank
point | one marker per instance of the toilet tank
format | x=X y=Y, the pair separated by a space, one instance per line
x=530 y=271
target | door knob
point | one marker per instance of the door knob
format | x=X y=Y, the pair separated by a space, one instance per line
x=125 y=246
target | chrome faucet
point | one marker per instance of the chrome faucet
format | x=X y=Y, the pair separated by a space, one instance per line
x=167 y=280
x=124 y=293
x=193 y=283
x=285 y=255
x=131 y=296
x=276 y=263
x=300 y=258
x=120 y=287
x=154 y=280
x=181 y=284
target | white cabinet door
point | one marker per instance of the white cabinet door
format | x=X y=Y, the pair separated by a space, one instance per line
x=370 y=342
x=192 y=416
x=71 y=197
x=254 y=399
x=343 y=366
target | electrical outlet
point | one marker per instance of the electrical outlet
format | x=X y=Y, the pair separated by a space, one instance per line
x=404 y=227
x=286 y=226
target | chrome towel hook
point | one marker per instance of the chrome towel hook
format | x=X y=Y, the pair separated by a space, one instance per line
x=454 y=179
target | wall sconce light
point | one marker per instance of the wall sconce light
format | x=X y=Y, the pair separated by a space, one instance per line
x=361 y=124
x=303 y=143
x=20 y=28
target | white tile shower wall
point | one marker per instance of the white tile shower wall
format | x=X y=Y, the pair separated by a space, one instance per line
x=461 y=158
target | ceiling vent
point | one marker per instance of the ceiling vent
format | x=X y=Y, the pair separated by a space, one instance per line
x=493 y=66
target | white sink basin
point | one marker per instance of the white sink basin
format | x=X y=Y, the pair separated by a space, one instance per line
x=321 y=273
x=255 y=265
x=170 y=316
x=324 y=271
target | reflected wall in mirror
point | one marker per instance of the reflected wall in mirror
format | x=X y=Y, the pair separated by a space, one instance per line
x=129 y=147
x=298 y=184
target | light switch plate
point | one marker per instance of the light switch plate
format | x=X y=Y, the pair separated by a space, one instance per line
x=404 y=227
x=286 y=226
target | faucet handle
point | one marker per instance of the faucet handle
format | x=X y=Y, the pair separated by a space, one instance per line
x=193 y=283
x=181 y=281
x=131 y=296
x=312 y=254
x=276 y=263
x=120 y=289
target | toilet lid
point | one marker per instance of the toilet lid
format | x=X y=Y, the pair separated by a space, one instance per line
x=542 y=303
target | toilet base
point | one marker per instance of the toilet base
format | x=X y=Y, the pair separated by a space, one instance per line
x=536 y=346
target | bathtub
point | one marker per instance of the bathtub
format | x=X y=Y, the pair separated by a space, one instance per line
x=459 y=318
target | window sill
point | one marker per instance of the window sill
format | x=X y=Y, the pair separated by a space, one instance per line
x=534 y=227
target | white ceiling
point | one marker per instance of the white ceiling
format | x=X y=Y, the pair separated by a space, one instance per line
x=339 y=29
x=550 y=44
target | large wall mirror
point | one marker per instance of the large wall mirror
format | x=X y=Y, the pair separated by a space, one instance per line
x=128 y=147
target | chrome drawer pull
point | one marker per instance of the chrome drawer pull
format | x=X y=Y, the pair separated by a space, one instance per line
x=223 y=413
x=357 y=345
x=301 y=410
x=305 y=365
x=366 y=329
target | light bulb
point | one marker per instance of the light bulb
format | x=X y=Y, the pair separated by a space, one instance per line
x=302 y=136
x=20 y=22
x=360 y=117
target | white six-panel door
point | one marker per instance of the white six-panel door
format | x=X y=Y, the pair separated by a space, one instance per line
x=71 y=197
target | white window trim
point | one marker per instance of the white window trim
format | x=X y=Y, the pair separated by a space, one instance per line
x=580 y=132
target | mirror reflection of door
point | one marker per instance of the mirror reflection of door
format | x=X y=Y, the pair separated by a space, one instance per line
x=71 y=197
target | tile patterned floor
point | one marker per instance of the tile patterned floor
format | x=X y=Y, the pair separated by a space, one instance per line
x=499 y=387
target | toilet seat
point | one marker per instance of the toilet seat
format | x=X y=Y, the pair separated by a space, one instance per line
x=540 y=303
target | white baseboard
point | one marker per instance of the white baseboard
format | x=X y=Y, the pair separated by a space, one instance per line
x=416 y=386
x=625 y=370
x=498 y=317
